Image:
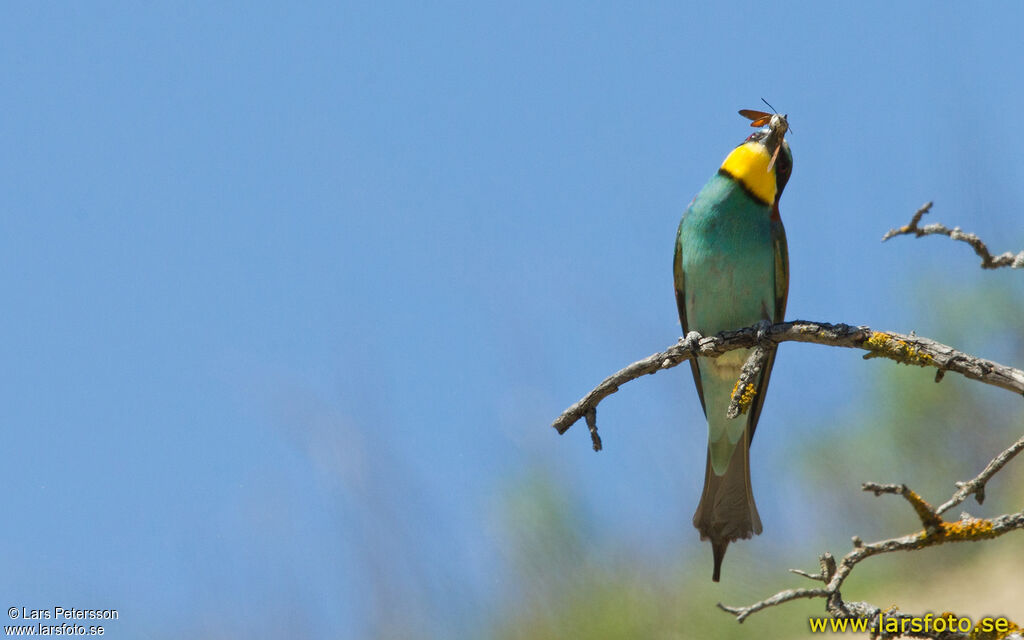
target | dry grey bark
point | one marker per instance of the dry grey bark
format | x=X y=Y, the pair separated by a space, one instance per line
x=988 y=261
x=908 y=349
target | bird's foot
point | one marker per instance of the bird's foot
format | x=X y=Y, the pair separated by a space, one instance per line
x=763 y=327
x=691 y=340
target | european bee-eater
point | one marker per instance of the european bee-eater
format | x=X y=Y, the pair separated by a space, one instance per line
x=731 y=271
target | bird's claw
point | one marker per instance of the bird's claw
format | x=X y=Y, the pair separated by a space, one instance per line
x=763 y=327
x=691 y=339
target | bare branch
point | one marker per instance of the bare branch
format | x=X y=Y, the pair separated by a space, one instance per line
x=667 y=359
x=810 y=576
x=988 y=261
x=929 y=518
x=741 y=613
x=964 y=530
x=977 y=485
x=591 y=416
x=911 y=350
x=745 y=389
x=936 y=531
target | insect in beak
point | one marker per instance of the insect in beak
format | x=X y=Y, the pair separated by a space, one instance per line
x=777 y=125
x=760 y=118
x=775 y=156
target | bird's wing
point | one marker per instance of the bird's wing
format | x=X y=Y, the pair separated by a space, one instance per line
x=680 y=286
x=781 y=253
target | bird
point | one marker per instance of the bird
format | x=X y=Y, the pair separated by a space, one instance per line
x=731 y=270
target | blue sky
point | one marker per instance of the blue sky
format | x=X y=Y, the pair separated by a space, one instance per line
x=284 y=286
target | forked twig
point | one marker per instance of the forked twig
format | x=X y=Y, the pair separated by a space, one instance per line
x=988 y=261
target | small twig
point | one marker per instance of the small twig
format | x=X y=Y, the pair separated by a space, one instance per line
x=679 y=352
x=828 y=565
x=914 y=350
x=742 y=613
x=929 y=518
x=988 y=261
x=745 y=390
x=591 y=417
x=977 y=485
x=810 y=576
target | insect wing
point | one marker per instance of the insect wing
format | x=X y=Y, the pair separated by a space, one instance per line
x=760 y=118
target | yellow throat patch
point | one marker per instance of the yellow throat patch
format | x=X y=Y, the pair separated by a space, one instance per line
x=748 y=164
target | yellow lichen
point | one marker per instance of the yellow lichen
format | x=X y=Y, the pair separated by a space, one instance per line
x=746 y=398
x=968 y=529
x=923 y=509
x=878 y=340
x=898 y=350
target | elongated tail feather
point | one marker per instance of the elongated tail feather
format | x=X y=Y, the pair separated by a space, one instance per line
x=727 y=511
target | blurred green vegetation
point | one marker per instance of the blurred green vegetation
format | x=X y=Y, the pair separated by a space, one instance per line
x=568 y=587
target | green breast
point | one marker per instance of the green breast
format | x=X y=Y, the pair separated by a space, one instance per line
x=727 y=258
